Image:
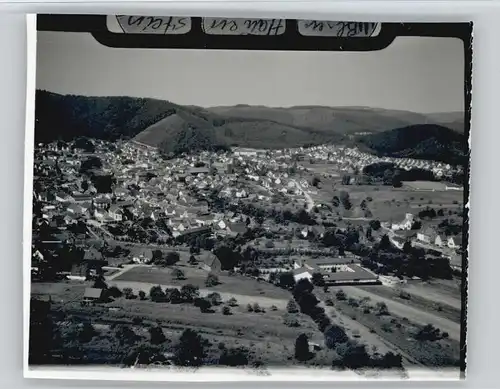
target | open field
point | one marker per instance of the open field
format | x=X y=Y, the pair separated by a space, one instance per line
x=230 y=285
x=387 y=203
x=438 y=291
x=264 y=334
x=419 y=301
x=404 y=310
x=398 y=333
x=429 y=185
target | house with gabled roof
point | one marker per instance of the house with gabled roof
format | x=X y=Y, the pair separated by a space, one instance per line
x=440 y=241
x=115 y=212
x=427 y=236
x=93 y=295
x=455 y=242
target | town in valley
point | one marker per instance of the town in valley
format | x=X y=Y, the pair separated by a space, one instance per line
x=324 y=255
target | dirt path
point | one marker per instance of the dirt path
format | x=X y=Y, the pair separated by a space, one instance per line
x=403 y=310
x=123 y=270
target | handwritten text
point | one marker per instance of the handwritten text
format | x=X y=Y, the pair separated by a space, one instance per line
x=336 y=29
x=154 y=24
x=220 y=26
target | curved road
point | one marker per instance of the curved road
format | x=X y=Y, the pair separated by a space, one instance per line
x=309 y=200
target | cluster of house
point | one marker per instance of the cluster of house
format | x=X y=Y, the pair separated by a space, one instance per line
x=360 y=160
x=145 y=185
x=427 y=236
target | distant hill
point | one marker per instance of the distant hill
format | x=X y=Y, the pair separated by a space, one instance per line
x=423 y=141
x=174 y=127
x=67 y=116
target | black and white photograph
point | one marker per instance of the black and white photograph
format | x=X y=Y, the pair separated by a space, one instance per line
x=208 y=209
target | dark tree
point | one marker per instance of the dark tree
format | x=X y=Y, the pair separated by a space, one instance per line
x=172 y=258
x=234 y=357
x=190 y=350
x=315 y=181
x=157 y=255
x=100 y=283
x=345 y=200
x=189 y=292
x=302 y=348
x=335 y=335
x=156 y=335
x=302 y=286
x=307 y=302
x=125 y=335
x=317 y=279
x=375 y=225
x=286 y=280
x=385 y=243
x=156 y=294
x=203 y=303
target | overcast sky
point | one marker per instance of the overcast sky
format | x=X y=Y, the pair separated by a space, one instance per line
x=416 y=74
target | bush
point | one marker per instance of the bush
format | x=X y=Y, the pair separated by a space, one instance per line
x=341 y=295
x=257 y=308
x=232 y=302
x=128 y=293
x=428 y=333
x=214 y=298
x=142 y=295
x=329 y=302
x=382 y=309
x=226 y=311
x=249 y=308
x=389 y=361
x=292 y=307
x=269 y=244
x=178 y=274
x=290 y=321
x=212 y=280
x=404 y=295
x=274 y=308
x=353 y=302
x=386 y=327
